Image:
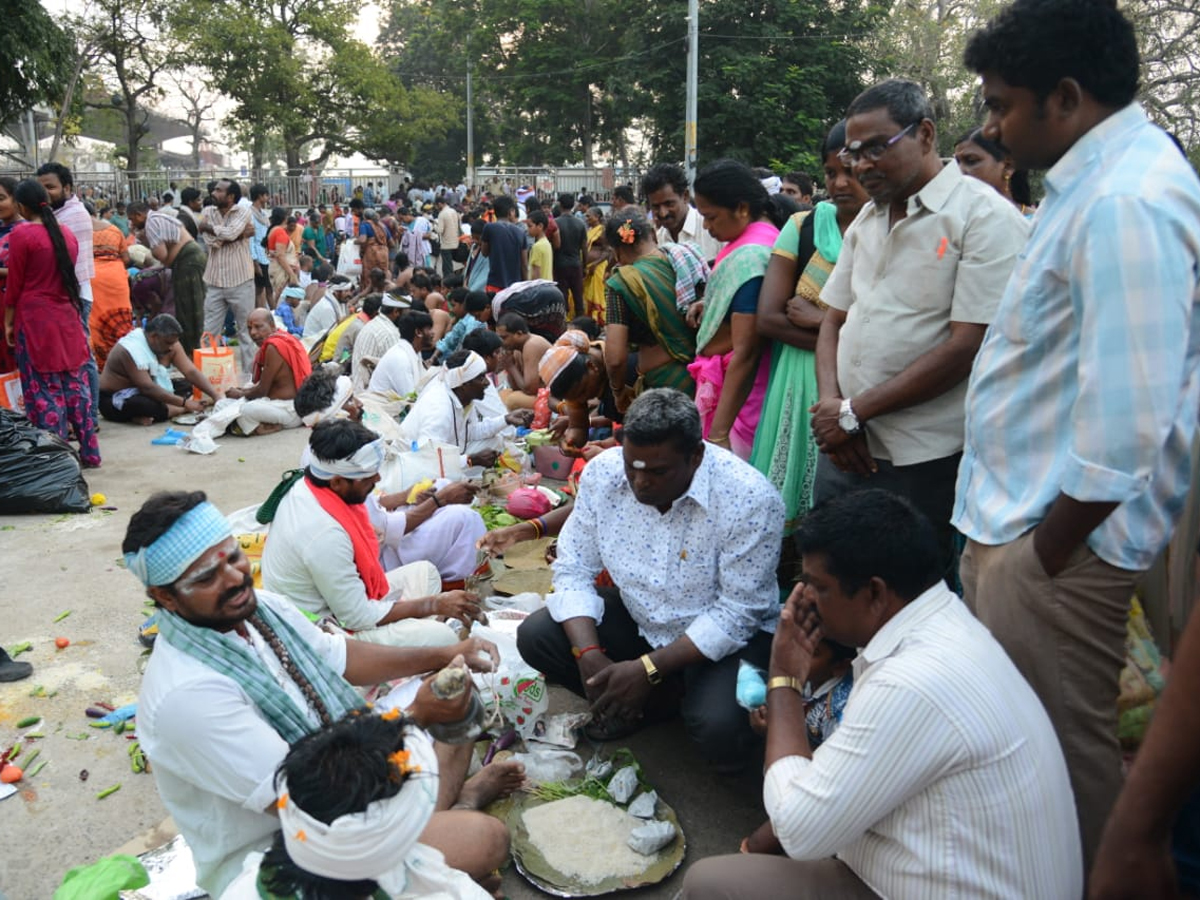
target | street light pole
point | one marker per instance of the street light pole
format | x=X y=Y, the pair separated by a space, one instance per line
x=693 y=65
x=470 y=133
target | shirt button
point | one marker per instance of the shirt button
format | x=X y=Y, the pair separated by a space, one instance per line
x=866 y=318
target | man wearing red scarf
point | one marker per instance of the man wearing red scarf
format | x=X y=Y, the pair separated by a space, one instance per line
x=323 y=554
x=279 y=369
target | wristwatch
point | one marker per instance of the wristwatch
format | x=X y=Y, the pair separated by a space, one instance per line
x=847 y=420
x=652 y=674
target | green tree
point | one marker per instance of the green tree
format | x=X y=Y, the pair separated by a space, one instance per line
x=293 y=70
x=36 y=58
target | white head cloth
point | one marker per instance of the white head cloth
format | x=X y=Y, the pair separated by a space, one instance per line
x=343 y=392
x=397 y=301
x=365 y=462
x=371 y=843
x=472 y=368
x=774 y=184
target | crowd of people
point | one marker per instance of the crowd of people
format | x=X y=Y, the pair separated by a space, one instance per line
x=906 y=447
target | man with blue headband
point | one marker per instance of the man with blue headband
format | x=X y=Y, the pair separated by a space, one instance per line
x=238 y=675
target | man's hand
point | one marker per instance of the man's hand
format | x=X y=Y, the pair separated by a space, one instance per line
x=1129 y=867
x=192 y=405
x=496 y=542
x=1052 y=559
x=10 y=335
x=234 y=393
x=694 y=314
x=854 y=456
x=486 y=459
x=620 y=690
x=427 y=708
x=796 y=637
x=824 y=416
x=479 y=655
x=460 y=492
x=461 y=605
x=573 y=440
x=521 y=418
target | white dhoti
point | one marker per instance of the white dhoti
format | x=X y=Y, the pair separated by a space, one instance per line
x=267 y=412
x=414 y=581
x=447 y=539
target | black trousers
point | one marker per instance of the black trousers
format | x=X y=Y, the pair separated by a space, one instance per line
x=719 y=727
x=135 y=407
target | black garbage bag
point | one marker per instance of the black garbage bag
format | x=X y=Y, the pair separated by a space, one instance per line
x=39 y=471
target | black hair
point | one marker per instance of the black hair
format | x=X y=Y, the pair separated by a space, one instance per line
x=631 y=217
x=624 y=192
x=728 y=183
x=476 y=301
x=503 y=207
x=456 y=359
x=279 y=215
x=835 y=141
x=322 y=272
x=458 y=295
x=421 y=280
x=316 y=393
x=372 y=303
x=337 y=771
x=800 y=180
x=235 y=189
x=483 y=342
x=664 y=175
x=8 y=184
x=455 y=280
x=90 y=207
x=377 y=278
x=538 y=217
x=188 y=194
x=59 y=171
x=256 y=191
x=1035 y=44
x=156 y=516
x=873 y=534
x=905 y=102
x=572 y=373
x=661 y=416
x=1018 y=182
x=357 y=204
x=566 y=201
x=401 y=262
x=412 y=322
x=780 y=208
x=30 y=194
x=138 y=207
x=587 y=325
x=477 y=227
x=164 y=324
x=514 y=323
x=339 y=438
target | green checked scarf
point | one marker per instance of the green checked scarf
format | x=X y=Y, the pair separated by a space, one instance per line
x=237 y=660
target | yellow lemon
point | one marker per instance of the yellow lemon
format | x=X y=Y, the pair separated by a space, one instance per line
x=99 y=499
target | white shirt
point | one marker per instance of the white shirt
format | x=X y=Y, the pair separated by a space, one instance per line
x=375 y=339
x=488 y=407
x=693 y=232
x=399 y=371
x=322 y=316
x=705 y=568
x=947 y=261
x=309 y=559
x=213 y=754
x=438 y=416
x=944 y=779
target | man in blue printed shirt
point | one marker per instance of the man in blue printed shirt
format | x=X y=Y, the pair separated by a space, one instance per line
x=1083 y=399
x=690 y=536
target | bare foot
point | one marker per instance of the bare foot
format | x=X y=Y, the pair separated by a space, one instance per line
x=493 y=781
x=142 y=420
x=267 y=428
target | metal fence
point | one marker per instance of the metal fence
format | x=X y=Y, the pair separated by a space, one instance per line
x=596 y=182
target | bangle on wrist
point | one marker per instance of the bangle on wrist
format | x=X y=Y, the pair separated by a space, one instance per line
x=578 y=652
x=785 y=681
x=538 y=527
x=436 y=502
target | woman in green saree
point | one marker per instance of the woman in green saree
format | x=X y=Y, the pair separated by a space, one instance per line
x=789 y=314
x=647 y=299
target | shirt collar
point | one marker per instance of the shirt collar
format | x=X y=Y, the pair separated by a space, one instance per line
x=1072 y=164
x=909 y=619
x=700 y=490
x=693 y=225
x=933 y=196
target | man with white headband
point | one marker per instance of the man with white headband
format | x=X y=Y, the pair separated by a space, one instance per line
x=330 y=309
x=323 y=552
x=377 y=337
x=237 y=675
x=441 y=412
x=440 y=527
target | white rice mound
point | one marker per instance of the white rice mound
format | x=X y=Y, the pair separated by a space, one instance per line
x=585 y=839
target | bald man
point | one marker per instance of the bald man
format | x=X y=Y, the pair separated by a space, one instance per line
x=279 y=369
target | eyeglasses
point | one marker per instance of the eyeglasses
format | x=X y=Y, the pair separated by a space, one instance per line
x=873 y=152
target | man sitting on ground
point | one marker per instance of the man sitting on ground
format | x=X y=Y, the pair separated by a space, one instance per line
x=401 y=370
x=439 y=528
x=944 y=779
x=323 y=553
x=525 y=351
x=279 y=369
x=690 y=535
x=490 y=349
x=376 y=338
x=470 y=310
x=238 y=674
x=330 y=309
x=442 y=413
x=135 y=385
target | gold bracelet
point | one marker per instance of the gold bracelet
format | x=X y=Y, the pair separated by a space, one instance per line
x=786 y=681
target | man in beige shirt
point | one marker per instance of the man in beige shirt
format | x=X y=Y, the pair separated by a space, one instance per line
x=449 y=230
x=229 y=275
x=917 y=282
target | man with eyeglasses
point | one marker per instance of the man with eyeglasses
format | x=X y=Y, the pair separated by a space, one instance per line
x=917 y=282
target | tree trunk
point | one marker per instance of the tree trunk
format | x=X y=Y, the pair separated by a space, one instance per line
x=196 y=146
x=66 y=106
x=133 y=140
x=587 y=126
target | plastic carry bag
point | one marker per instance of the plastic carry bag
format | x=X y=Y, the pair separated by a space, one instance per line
x=516 y=688
x=39 y=471
x=12 y=396
x=216 y=362
x=350 y=259
x=402 y=469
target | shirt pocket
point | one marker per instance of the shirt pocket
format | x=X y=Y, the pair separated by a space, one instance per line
x=1032 y=303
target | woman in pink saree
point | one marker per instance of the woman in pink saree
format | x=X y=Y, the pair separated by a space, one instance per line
x=732 y=363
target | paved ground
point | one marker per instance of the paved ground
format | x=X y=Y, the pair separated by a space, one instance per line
x=52 y=564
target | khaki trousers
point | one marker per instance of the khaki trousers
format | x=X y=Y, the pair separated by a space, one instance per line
x=750 y=876
x=1066 y=635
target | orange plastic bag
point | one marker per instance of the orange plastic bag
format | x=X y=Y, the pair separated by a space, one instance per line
x=541 y=409
x=216 y=362
x=11 y=395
